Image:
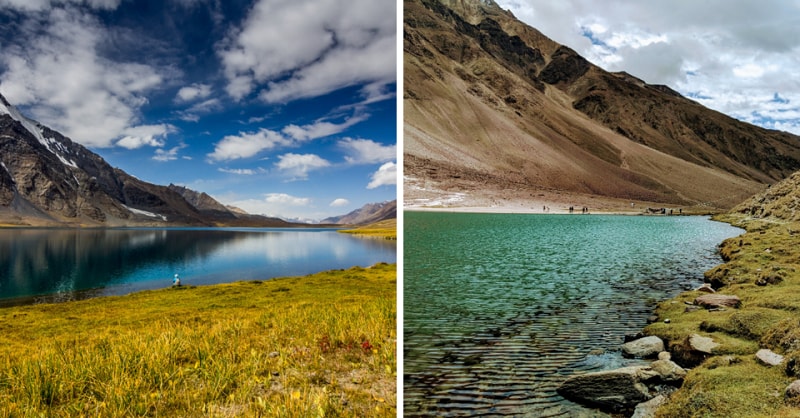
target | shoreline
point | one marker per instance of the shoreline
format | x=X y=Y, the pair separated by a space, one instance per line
x=757 y=269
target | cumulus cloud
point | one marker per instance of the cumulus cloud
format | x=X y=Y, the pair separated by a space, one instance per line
x=366 y=151
x=337 y=203
x=247 y=144
x=59 y=77
x=385 y=176
x=297 y=166
x=193 y=92
x=731 y=57
x=334 y=44
x=145 y=135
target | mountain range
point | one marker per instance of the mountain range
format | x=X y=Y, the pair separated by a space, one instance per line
x=496 y=110
x=46 y=179
x=367 y=214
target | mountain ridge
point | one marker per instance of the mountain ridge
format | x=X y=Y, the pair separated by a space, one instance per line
x=46 y=179
x=367 y=214
x=495 y=111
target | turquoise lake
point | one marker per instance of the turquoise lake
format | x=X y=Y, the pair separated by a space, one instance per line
x=47 y=265
x=500 y=308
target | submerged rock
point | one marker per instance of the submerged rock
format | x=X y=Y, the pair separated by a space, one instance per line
x=611 y=390
x=643 y=347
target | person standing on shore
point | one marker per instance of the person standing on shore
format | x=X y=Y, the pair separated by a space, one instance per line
x=176 y=281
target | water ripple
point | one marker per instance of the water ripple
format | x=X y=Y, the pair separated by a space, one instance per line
x=499 y=309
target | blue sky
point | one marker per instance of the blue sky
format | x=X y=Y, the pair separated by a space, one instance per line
x=739 y=57
x=280 y=107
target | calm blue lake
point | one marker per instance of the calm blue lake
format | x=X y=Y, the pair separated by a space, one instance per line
x=39 y=265
x=499 y=309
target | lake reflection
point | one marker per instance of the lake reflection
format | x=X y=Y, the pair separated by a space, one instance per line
x=59 y=264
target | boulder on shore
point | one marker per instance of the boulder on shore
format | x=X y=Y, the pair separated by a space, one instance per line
x=643 y=347
x=768 y=357
x=610 y=390
x=692 y=350
x=792 y=394
x=648 y=409
x=715 y=300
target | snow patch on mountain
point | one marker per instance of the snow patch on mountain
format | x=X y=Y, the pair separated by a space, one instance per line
x=146 y=213
x=36 y=130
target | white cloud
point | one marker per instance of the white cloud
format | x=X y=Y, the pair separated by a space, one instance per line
x=321 y=129
x=366 y=151
x=734 y=55
x=385 y=176
x=298 y=166
x=58 y=77
x=334 y=44
x=193 y=113
x=168 y=155
x=285 y=199
x=278 y=205
x=194 y=92
x=240 y=171
x=246 y=145
x=145 y=135
x=337 y=203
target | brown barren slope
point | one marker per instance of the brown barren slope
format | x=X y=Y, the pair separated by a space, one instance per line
x=497 y=114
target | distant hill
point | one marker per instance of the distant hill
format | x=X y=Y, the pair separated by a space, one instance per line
x=493 y=107
x=367 y=214
x=46 y=179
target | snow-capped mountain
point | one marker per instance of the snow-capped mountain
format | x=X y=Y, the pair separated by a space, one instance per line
x=46 y=179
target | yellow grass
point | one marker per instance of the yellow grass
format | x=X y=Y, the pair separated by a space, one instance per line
x=386 y=229
x=320 y=345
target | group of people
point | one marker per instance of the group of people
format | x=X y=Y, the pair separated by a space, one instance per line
x=583 y=209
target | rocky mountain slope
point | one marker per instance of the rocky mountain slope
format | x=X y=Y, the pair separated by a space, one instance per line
x=780 y=201
x=46 y=179
x=367 y=214
x=495 y=109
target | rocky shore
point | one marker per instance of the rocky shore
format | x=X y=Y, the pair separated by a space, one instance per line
x=731 y=348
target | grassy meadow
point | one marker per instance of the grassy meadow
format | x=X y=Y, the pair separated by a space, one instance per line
x=313 y=346
x=386 y=229
x=731 y=383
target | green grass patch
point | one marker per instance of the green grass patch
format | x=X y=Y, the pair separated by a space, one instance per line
x=762 y=268
x=320 y=345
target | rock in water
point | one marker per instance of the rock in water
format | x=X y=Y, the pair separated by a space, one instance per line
x=643 y=347
x=769 y=358
x=611 y=390
x=714 y=300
